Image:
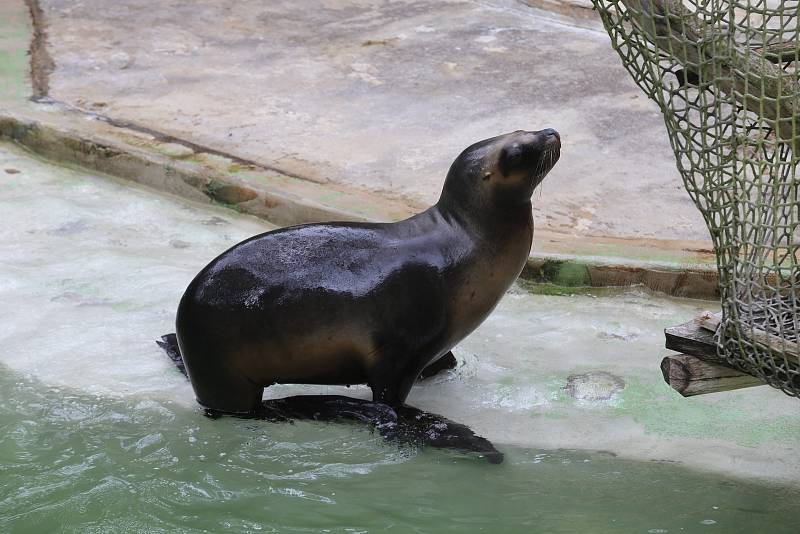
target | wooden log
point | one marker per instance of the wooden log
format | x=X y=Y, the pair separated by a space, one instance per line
x=690 y=376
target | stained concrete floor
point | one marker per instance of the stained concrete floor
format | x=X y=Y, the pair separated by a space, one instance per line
x=382 y=95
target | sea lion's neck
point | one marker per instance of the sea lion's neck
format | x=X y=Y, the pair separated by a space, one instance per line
x=498 y=224
x=489 y=250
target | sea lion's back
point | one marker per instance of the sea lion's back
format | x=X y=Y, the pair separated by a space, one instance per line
x=284 y=264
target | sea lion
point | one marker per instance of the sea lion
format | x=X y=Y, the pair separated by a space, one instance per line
x=354 y=303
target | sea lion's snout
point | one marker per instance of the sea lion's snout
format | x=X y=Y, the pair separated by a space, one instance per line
x=531 y=154
x=550 y=133
x=549 y=139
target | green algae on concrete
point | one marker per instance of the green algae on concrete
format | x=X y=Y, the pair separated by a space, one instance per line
x=15 y=37
x=13 y=67
x=661 y=411
x=698 y=281
x=564 y=273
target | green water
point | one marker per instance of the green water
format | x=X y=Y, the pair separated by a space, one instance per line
x=73 y=462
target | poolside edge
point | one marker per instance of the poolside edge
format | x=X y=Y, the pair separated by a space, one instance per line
x=186 y=170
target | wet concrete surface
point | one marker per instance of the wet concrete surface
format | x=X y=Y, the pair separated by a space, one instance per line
x=382 y=96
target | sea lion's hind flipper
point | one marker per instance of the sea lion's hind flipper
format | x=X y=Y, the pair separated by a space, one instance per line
x=404 y=425
x=446 y=362
x=432 y=430
x=169 y=343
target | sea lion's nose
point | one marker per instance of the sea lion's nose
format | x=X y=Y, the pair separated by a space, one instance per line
x=549 y=132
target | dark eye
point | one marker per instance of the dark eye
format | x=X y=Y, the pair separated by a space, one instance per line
x=510 y=157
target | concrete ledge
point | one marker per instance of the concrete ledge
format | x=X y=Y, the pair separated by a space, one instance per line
x=579 y=9
x=182 y=168
x=693 y=281
x=185 y=170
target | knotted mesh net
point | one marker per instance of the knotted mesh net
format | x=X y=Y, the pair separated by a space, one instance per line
x=726 y=75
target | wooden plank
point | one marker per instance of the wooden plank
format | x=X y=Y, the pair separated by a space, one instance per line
x=690 y=376
x=710 y=322
x=691 y=338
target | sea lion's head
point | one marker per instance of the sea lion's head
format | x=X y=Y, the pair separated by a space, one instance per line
x=502 y=171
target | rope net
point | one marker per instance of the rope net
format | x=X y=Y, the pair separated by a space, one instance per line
x=726 y=75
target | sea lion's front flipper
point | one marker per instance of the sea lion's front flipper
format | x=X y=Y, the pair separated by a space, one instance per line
x=448 y=361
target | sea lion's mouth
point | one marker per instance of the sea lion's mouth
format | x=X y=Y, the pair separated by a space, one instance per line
x=551 y=151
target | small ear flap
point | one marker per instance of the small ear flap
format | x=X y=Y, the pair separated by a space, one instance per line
x=510 y=156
